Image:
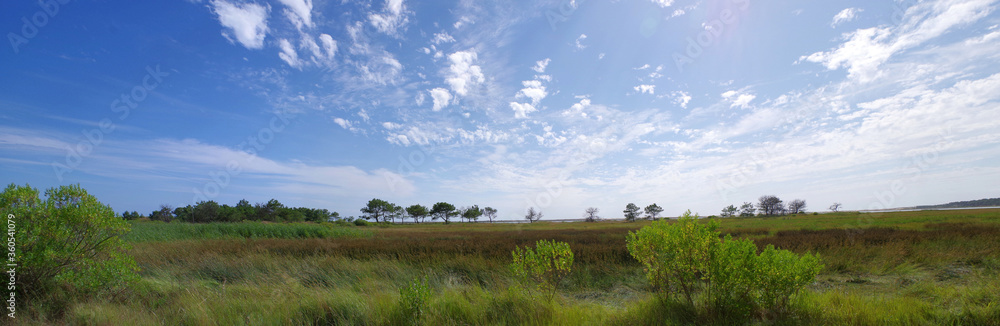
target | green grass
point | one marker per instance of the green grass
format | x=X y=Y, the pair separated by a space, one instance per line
x=905 y=268
x=147 y=231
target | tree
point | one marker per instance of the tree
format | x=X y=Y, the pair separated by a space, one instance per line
x=770 y=205
x=472 y=213
x=165 y=214
x=653 y=211
x=490 y=213
x=631 y=212
x=547 y=264
x=129 y=216
x=533 y=215
x=729 y=211
x=394 y=212
x=69 y=241
x=835 y=207
x=590 y=215
x=747 y=210
x=377 y=209
x=797 y=206
x=444 y=211
x=204 y=212
x=417 y=212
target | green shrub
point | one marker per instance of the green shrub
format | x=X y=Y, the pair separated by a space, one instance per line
x=675 y=256
x=688 y=257
x=413 y=299
x=70 y=241
x=546 y=265
x=360 y=222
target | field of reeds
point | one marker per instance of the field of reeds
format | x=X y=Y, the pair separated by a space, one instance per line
x=902 y=268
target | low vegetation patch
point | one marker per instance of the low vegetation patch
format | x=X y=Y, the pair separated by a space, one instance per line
x=160 y=231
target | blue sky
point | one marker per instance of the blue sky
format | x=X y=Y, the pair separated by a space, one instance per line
x=558 y=105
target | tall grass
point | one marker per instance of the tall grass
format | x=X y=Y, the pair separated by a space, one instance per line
x=147 y=231
x=911 y=268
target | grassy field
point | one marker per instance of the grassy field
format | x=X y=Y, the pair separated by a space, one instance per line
x=903 y=268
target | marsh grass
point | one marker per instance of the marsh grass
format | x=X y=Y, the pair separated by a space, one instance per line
x=147 y=231
x=907 y=268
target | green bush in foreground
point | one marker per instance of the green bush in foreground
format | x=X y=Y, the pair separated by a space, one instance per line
x=547 y=264
x=69 y=242
x=413 y=299
x=688 y=257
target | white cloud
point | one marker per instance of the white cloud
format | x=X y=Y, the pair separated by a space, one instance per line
x=663 y=3
x=739 y=98
x=343 y=123
x=441 y=97
x=845 y=15
x=299 y=12
x=419 y=99
x=463 y=74
x=442 y=38
x=534 y=90
x=865 y=50
x=540 y=65
x=645 y=89
x=247 y=22
x=393 y=17
x=579 y=41
x=288 y=54
x=391 y=125
x=682 y=98
x=521 y=110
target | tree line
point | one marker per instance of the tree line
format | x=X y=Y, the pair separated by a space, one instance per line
x=767 y=205
x=211 y=211
x=379 y=210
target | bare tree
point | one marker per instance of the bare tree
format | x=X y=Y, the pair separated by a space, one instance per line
x=835 y=207
x=490 y=213
x=770 y=205
x=591 y=214
x=533 y=215
x=797 y=206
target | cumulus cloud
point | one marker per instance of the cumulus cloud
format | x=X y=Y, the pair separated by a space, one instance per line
x=521 y=110
x=663 y=3
x=738 y=99
x=343 y=123
x=442 y=38
x=845 y=15
x=682 y=98
x=441 y=98
x=540 y=65
x=534 y=90
x=392 y=17
x=579 y=41
x=246 y=22
x=463 y=73
x=299 y=12
x=288 y=54
x=645 y=89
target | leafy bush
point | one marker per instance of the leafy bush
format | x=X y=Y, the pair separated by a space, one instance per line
x=360 y=222
x=413 y=299
x=546 y=265
x=689 y=257
x=675 y=256
x=69 y=241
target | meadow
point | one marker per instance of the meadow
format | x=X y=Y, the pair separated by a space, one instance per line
x=894 y=268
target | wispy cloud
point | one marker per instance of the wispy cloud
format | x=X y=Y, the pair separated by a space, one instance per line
x=245 y=23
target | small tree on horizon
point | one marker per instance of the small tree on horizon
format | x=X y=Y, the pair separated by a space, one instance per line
x=747 y=210
x=653 y=211
x=417 y=213
x=444 y=211
x=490 y=213
x=631 y=212
x=533 y=215
x=472 y=213
x=590 y=215
x=835 y=207
x=797 y=206
x=729 y=211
